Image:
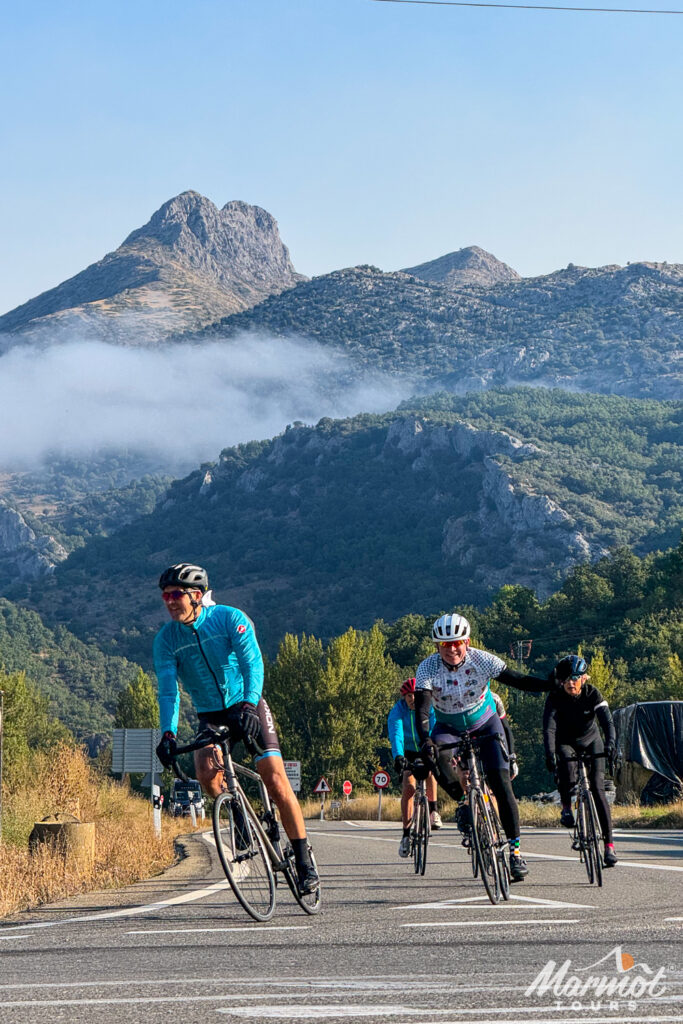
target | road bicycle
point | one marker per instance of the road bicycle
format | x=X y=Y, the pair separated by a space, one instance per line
x=250 y=847
x=488 y=847
x=420 y=826
x=587 y=836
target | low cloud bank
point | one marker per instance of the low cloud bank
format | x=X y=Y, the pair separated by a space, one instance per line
x=182 y=402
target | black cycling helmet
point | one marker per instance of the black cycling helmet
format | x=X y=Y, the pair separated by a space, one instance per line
x=186 y=575
x=571 y=667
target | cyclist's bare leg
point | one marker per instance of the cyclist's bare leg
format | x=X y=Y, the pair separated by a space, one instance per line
x=272 y=771
x=431 y=788
x=407 y=794
x=208 y=769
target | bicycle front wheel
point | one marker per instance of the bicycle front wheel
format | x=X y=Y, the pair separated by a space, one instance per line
x=243 y=856
x=484 y=844
x=421 y=835
x=585 y=846
x=593 y=837
x=502 y=854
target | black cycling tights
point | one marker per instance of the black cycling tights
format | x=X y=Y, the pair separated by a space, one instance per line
x=567 y=774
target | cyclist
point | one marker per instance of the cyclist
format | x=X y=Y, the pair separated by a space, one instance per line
x=405 y=746
x=456 y=681
x=212 y=649
x=570 y=724
x=509 y=738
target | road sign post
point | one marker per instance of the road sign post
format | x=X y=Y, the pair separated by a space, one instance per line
x=347 y=788
x=323 y=789
x=134 y=750
x=380 y=781
x=293 y=771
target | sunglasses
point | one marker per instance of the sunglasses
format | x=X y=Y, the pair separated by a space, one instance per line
x=173 y=595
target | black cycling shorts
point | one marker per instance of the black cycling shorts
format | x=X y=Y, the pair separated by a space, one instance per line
x=267 y=738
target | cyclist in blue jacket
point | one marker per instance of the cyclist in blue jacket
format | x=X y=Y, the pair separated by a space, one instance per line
x=212 y=649
x=405 y=748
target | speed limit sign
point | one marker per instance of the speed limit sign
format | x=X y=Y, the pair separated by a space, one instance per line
x=380 y=779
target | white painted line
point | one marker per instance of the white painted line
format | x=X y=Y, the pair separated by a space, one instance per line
x=622 y=863
x=237 y=928
x=10 y=938
x=673 y=918
x=186 y=897
x=491 y=924
x=312 y=1011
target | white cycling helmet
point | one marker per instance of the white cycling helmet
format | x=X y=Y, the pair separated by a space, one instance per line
x=451 y=627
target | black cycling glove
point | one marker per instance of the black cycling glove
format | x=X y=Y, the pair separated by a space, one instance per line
x=429 y=750
x=400 y=764
x=551 y=763
x=247 y=719
x=166 y=749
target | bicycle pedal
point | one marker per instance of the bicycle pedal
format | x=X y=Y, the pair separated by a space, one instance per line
x=576 y=845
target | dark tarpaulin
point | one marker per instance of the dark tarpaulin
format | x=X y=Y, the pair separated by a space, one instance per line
x=651 y=734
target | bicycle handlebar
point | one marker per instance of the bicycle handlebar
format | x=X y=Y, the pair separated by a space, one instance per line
x=207 y=737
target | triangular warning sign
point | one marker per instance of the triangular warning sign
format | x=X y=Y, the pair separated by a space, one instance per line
x=321 y=786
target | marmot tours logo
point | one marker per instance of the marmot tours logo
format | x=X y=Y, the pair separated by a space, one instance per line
x=622 y=978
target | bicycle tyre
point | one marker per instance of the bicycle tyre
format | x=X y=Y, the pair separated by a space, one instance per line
x=423 y=832
x=308 y=901
x=503 y=854
x=415 y=841
x=250 y=872
x=585 y=848
x=482 y=837
x=594 y=837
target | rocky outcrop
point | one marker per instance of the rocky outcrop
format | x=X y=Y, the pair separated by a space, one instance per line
x=191 y=264
x=469 y=266
x=25 y=555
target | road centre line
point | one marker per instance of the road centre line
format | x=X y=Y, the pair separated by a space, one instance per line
x=320 y=1012
x=442 y=983
x=236 y=928
x=148 y=908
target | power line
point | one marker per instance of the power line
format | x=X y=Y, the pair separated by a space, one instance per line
x=528 y=7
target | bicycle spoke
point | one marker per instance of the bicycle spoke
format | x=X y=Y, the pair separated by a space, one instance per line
x=482 y=837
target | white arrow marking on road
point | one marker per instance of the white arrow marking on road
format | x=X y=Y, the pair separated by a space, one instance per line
x=477 y=902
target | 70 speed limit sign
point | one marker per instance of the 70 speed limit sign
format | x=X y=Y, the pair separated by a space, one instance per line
x=380 y=779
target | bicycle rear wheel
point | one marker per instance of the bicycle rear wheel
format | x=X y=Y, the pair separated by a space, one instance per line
x=308 y=901
x=244 y=857
x=482 y=838
x=594 y=837
x=585 y=846
x=422 y=831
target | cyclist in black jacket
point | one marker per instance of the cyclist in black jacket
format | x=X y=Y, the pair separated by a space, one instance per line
x=570 y=724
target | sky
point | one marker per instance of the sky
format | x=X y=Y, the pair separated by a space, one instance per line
x=374 y=132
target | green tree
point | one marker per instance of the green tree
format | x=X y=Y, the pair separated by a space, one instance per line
x=27 y=724
x=137 y=706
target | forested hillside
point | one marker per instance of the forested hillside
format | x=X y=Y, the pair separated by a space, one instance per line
x=437 y=504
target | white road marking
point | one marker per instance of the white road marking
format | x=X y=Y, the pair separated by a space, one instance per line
x=313 y=1011
x=236 y=928
x=9 y=938
x=673 y=918
x=148 y=908
x=491 y=924
x=321 y=1012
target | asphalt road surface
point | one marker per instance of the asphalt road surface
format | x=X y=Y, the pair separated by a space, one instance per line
x=387 y=946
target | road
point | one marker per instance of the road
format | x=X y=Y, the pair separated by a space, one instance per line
x=388 y=946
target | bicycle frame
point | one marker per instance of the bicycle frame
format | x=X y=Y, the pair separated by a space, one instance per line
x=587 y=835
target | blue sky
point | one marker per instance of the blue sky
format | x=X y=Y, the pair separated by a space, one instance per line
x=374 y=132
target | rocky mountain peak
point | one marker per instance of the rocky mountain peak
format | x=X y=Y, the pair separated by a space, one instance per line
x=469 y=266
x=189 y=265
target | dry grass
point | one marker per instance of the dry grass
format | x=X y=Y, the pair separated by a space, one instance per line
x=126 y=848
x=364 y=808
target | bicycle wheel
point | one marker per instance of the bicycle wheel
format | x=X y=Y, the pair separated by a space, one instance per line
x=482 y=838
x=244 y=857
x=502 y=853
x=594 y=836
x=308 y=901
x=415 y=836
x=422 y=837
x=585 y=848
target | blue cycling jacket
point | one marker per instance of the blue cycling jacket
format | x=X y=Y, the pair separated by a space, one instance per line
x=216 y=658
x=403 y=730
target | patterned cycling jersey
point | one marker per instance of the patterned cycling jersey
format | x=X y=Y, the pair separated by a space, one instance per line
x=461 y=696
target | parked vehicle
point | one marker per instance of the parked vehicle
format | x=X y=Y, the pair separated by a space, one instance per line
x=183 y=796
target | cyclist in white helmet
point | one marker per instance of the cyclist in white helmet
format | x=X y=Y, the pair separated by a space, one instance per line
x=456 y=682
